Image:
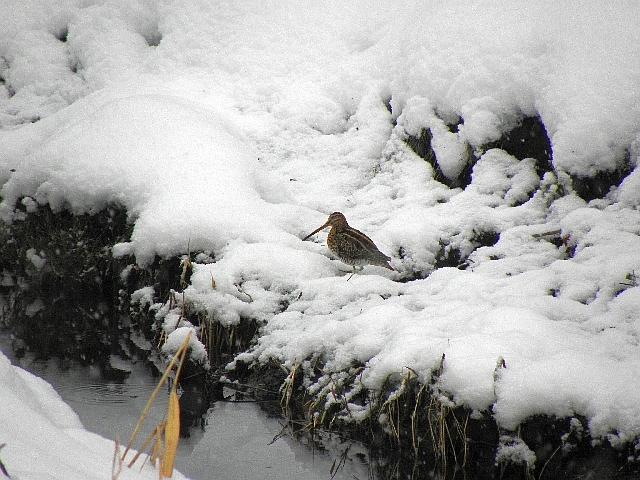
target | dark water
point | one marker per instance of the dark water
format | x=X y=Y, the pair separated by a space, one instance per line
x=237 y=442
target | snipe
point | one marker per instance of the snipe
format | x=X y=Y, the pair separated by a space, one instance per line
x=351 y=246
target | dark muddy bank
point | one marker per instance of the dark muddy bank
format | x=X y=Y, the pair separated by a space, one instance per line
x=66 y=297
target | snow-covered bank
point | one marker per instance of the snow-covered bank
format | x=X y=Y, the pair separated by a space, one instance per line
x=236 y=128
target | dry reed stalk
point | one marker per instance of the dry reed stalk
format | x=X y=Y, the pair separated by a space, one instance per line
x=157 y=389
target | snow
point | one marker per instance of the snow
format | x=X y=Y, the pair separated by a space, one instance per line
x=178 y=334
x=37 y=261
x=514 y=450
x=235 y=129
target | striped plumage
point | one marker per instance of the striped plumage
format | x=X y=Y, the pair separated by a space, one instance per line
x=351 y=246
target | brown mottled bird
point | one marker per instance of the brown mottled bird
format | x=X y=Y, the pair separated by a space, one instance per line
x=351 y=246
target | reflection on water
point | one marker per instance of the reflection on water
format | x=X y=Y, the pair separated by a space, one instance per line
x=96 y=394
x=236 y=444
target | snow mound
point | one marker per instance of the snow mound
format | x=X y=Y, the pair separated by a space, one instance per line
x=160 y=157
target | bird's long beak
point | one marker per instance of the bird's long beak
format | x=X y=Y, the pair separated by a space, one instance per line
x=316 y=231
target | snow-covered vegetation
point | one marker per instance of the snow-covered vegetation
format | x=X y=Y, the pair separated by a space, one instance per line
x=233 y=129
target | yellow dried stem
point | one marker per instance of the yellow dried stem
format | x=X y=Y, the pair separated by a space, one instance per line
x=182 y=348
x=171 y=436
x=116 y=462
x=156 y=432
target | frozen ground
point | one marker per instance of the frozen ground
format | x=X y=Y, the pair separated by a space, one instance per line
x=235 y=128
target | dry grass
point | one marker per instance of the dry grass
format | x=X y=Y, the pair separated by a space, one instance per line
x=219 y=340
x=287 y=389
x=169 y=428
x=415 y=417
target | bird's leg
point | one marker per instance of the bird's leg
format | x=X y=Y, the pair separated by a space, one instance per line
x=352 y=274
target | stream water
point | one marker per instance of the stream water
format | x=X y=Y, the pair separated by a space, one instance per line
x=238 y=441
